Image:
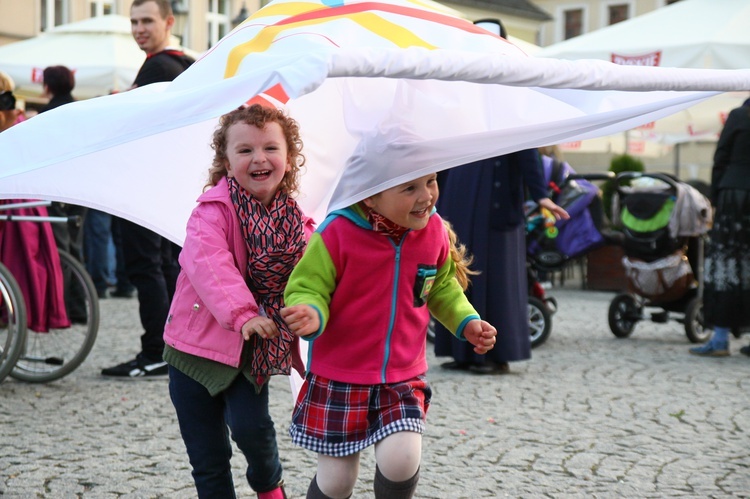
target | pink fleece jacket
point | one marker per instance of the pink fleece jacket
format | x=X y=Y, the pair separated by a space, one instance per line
x=374 y=298
x=212 y=300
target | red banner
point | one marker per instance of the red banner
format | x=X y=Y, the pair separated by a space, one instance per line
x=37 y=75
x=651 y=59
x=570 y=146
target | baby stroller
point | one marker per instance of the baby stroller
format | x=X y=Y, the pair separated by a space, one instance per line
x=550 y=243
x=664 y=223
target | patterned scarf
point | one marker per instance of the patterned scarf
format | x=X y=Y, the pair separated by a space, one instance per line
x=275 y=239
x=383 y=225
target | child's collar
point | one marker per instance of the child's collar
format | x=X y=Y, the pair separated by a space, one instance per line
x=382 y=224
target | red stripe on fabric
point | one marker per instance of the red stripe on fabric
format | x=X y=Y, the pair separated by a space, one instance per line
x=345 y=10
x=277 y=92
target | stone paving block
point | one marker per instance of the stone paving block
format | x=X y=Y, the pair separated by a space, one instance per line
x=590 y=415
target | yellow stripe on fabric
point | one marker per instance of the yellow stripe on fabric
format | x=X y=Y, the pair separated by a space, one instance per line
x=399 y=35
x=374 y=23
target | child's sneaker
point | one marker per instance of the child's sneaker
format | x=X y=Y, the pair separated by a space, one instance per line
x=136 y=368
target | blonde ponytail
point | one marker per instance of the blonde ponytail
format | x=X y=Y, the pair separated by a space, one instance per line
x=460 y=257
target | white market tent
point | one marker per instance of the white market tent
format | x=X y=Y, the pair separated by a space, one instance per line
x=703 y=34
x=700 y=34
x=100 y=50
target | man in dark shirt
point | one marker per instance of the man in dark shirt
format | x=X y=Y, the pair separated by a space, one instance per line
x=150 y=259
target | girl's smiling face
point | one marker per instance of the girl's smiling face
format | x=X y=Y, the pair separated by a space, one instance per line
x=257 y=158
x=408 y=205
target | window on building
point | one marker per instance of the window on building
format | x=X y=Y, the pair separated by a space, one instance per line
x=618 y=13
x=54 y=13
x=218 y=21
x=573 y=23
x=101 y=7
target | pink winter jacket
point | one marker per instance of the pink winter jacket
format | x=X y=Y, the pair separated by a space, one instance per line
x=212 y=300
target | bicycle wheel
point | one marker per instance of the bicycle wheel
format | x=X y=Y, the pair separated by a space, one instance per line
x=12 y=321
x=58 y=352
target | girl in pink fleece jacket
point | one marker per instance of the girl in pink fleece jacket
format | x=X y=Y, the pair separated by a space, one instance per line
x=224 y=334
x=363 y=293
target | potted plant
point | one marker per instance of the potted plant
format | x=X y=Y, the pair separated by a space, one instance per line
x=619 y=164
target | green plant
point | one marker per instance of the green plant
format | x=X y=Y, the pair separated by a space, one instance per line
x=619 y=164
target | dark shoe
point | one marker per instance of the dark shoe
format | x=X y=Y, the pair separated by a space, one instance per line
x=123 y=293
x=102 y=294
x=711 y=350
x=456 y=366
x=80 y=320
x=490 y=368
x=745 y=350
x=137 y=368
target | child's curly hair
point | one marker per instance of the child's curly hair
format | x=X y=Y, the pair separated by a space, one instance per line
x=460 y=257
x=258 y=116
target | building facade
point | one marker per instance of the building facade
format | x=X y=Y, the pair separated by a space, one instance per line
x=523 y=19
x=571 y=18
x=199 y=23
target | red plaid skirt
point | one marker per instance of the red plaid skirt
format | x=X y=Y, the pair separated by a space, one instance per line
x=338 y=419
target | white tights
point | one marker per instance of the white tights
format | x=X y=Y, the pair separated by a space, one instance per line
x=397 y=456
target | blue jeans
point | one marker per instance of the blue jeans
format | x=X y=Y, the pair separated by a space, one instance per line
x=97 y=232
x=121 y=275
x=203 y=423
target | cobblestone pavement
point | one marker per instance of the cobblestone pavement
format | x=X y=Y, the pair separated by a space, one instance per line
x=589 y=416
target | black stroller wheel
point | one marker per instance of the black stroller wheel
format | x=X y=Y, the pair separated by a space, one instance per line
x=695 y=328
x=623 y=314
x=540 y=321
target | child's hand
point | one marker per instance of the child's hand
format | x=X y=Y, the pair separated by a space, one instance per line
x=481 y=334
x=302 y=320
x=262 y=326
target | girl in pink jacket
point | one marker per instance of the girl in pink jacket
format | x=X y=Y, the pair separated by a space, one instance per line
x=363 y=294
x=224 y=334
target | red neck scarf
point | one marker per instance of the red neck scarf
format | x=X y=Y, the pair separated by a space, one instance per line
x=275 y=239
x=383 y=225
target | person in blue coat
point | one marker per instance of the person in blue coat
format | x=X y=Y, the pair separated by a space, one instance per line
x=484 y=203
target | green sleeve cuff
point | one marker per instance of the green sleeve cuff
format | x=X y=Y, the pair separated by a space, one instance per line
x=317 y=333
x=462 y=326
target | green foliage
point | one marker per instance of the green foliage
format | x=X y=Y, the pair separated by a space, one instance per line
x=619 y=164
x=626 y=163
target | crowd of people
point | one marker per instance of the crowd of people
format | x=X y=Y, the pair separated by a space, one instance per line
x=255 y=277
